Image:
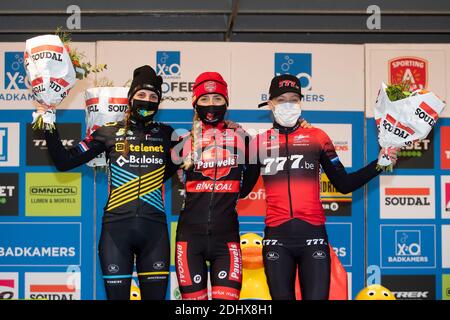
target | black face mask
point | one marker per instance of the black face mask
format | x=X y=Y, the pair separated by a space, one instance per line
x=211 y=114
x=143 y=111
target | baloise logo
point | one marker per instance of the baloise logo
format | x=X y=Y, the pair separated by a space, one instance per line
x=299 y=65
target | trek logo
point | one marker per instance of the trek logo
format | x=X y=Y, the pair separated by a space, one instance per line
x=409 y=69
x=274 y=165
x=15 y=74
x=135 y=161
x=407 y=246
x=41 y=143
x=411 y=287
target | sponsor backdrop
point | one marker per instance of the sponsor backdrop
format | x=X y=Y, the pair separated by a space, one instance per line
x=50 y=221
x=408 y=210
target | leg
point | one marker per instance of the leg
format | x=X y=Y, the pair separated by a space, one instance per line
x=152 y=259
x=116 y=260
x=279 y=267
x=226 y=269
x=314 y=272
x=192 y=273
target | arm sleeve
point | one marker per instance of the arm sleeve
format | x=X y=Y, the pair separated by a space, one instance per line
x=66 y=159
x=171 y=167
x=344 y=182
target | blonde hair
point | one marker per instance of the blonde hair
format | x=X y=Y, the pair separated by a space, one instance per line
x=127 y=122
x=195 y=135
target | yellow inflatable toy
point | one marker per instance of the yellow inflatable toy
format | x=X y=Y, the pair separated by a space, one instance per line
x=254 y=283
x=375 y=292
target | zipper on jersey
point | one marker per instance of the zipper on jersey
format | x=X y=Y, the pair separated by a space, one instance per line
x=211 y=200
x=288 y=174
x=139 y=174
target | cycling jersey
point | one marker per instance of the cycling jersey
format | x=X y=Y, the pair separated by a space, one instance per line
x=136 y=178
x=290 y=160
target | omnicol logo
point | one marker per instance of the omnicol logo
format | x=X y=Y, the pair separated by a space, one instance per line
x=53 y=194
x=9 y=284
x=53 y=285
x=410 y=69
x=445 y=148
x=408 y=246
x=407 y=197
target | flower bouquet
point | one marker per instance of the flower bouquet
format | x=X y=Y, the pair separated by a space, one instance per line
x=403 y=117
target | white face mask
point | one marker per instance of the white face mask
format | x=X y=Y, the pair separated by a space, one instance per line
x=287 y=114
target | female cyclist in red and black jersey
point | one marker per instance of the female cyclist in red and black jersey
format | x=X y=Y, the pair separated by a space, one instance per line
x=289 y=158
x=213 y=159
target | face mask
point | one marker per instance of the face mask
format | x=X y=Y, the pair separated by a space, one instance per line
x=143 y=111
x=287 y=114
x=211 y=114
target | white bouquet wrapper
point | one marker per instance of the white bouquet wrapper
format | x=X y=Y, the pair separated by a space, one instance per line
x=103 y=105
x=402 y=122
x=50 y=72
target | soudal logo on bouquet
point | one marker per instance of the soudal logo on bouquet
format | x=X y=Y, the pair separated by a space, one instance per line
x=9 y=194
x=47 y=52
x=168 y=66
x=254 y=204
x=411 y=287
x=216 y=163
x=333 y=202
x=409 y=69
x=396 y=127
x=418 y=155
x=445 y=147
x=300 y=65
x=9 y=285
x=53 y=285
x=114 y=104
x=37 y=150
x=15 y=81
x=408 y=246
x=407 y=197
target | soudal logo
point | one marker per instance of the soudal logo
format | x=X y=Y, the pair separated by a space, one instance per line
x=235 y=261
x=47 y=52
x=409 y=69
x=53 y=190
x=216 y=163
x=407 y=197
x=427 y=114
x=53 y=292
x=396 y=127
x=114 y=105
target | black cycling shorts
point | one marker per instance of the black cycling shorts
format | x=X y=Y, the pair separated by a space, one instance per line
x=222 y=250
x=297 y=245
x=122 y=241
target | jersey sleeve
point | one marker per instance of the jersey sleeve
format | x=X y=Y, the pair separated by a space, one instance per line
x=67 y=159
x=334 y=169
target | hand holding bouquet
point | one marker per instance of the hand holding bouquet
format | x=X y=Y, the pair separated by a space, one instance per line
x=52 y=69
x=403 y=117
